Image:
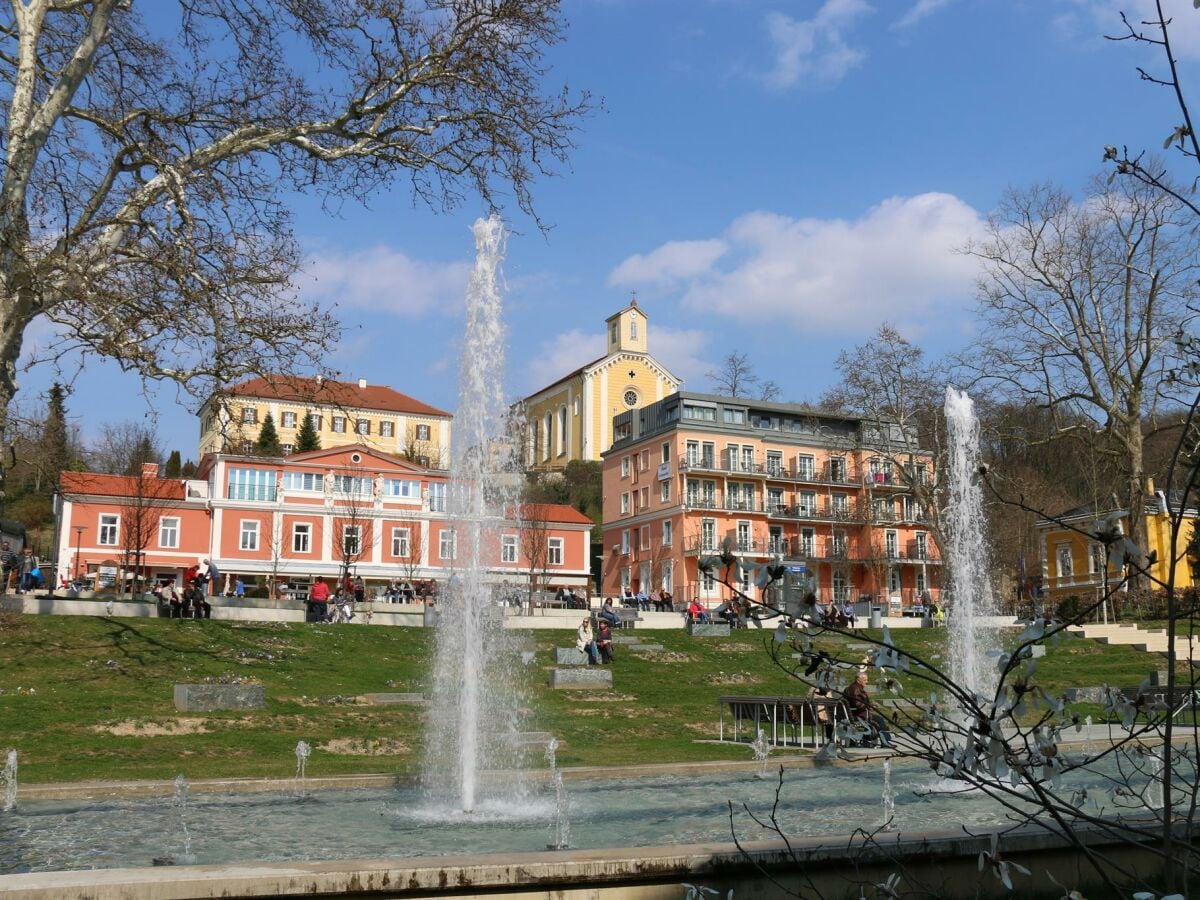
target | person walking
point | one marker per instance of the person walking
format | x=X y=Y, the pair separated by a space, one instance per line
x=31 y=571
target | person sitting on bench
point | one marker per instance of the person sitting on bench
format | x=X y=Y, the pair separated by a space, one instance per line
x=728 y=612
x=608 y=614
x=697 y=613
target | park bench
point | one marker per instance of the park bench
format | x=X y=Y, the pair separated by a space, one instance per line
x=628 y=618
x=750 y=714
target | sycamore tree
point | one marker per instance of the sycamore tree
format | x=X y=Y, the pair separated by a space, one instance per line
x=150 y=149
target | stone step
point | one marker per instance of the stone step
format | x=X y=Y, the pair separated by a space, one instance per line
x=589 y=678
x=394 y=698
x=626 y=639
x=645 y=648
x=569 y=656
x=699 y=629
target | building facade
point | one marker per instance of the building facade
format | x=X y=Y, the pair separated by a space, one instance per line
x=343 y=413
x=572 y=418
x=780 y=480
x=294 y=518
x=1074 y=564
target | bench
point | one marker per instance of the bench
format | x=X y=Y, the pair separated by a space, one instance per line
x=628 y=618
x=770 y=715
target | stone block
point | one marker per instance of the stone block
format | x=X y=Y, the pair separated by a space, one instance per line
x=1085 y=695
x=209 y=697
x=1038 y=651
x=394 y=699
x=626 y=639
x=590 y=678
x=645 y=648
x=569 y=656
x=712 y=629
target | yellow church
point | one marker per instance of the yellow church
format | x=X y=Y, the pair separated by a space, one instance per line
x=572 y=418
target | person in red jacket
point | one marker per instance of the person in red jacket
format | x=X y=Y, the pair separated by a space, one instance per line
x=318 y=599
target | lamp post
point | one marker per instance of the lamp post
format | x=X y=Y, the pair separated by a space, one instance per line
x=79 y=530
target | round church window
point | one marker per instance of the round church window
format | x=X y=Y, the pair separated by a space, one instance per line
x=631 y=398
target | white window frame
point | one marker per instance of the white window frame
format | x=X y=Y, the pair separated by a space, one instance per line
x=302 y=537
x=165 y=529
x=1062 y=553
x=362 y=427
x=422 y=433
x=664 y=491
x=248 y=534
x=625 y=466
x=668 y=532
x=401 y=542
x=110 y=528
x=337 y=424
x=508 y=549
x=447 y=541
x=555 y=548
x=249 y=415
x=351 y=540
x=287 y=420
x=644 y=537
x=625 y=503
x=387 y=429
x=625 y=540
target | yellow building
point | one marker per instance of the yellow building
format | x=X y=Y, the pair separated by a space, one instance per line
x=572 y=418
x=343 y=413
x=1073 y=563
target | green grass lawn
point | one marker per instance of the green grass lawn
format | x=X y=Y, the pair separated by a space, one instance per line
x=102 y=702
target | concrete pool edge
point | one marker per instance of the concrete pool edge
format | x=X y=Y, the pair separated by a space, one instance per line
x=615 y=873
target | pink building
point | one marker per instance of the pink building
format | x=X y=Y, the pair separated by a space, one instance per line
x=780 y=480
x=293 y=518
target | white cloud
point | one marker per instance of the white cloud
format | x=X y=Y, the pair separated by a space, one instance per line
x=669 y=264
x=816 y=48
x=561 y=354
x=898 y=261
x=919 y=11
x=682 y=351
x=382 y=279
x=1103 y=17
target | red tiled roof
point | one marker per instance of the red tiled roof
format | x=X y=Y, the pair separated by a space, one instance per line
x=333 y=393
x=121 y=486
x=551 y=512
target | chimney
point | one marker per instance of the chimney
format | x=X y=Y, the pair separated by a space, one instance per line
x=149 y=470
x=362 y=383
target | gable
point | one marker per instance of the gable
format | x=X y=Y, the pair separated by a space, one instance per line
x=343 y=457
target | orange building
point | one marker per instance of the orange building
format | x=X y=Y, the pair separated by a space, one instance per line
x=296 y=517
x=778 y=479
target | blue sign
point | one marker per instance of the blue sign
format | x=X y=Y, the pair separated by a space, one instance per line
x=798 y=570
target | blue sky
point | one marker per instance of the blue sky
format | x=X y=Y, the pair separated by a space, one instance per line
x=769 y=177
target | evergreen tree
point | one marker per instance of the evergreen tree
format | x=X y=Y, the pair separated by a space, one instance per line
x=174 y=464
x=144 y=452
x=307 y=437
x=268 y=438
x=188 y=470
x=55 y=449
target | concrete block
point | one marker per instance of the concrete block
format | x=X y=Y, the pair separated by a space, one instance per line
x=569 y=656
x=1085 y=695
x=626 y=639
x=713 y=629
x=645 y=648
x=590 y=678
x=395 y=699
x=1038 y=650
x=209 y=697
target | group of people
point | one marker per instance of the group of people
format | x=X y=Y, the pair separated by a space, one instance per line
x=403 y=591
x=193 y=602
x=597 y=646
x=860 y=712
x=22 y=571
x=327 y=605
x=661 y=601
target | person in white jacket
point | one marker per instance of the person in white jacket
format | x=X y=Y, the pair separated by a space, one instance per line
x=586 y=643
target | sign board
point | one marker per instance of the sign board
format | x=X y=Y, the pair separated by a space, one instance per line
x=664 y=471
x=106 y=576
x=798 y=569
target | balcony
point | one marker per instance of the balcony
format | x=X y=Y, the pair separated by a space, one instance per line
x=827 y=512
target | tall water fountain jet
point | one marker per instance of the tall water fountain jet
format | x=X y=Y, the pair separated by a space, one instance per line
x=969 y=587
x=473 y=679
x=9 y=777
